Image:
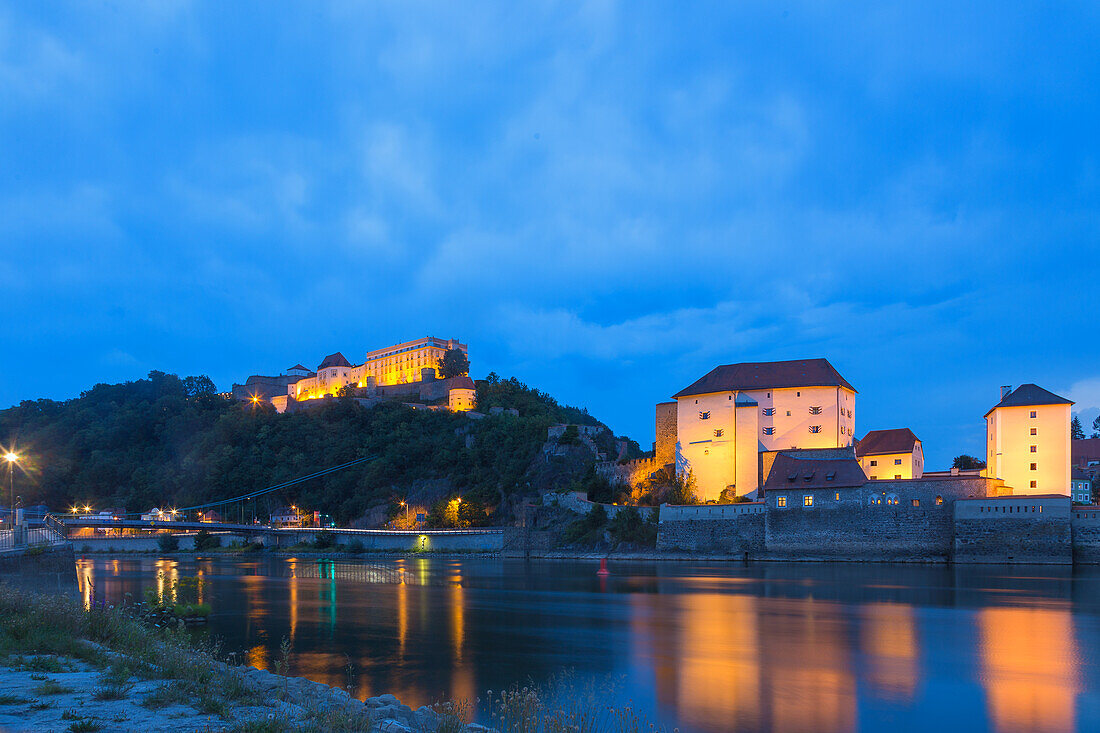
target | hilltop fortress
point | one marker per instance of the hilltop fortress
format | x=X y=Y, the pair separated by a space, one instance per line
x=406 y=371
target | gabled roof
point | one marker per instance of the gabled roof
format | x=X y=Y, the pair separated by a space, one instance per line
x=878 y=442
x=463 y=382
x=299 y=367
x=767 y=374
x=335 y=360
x=790 y=473
x=1027 y=395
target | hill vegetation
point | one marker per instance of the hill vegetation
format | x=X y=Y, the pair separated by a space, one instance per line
x=167 y=441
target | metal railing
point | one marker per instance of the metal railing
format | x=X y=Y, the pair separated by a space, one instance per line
x=23 y=537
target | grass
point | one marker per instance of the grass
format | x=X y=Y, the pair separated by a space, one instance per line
x=13 y=700
x=166 y=695
x=85 y=726
x=112 y=690
x=51 y=687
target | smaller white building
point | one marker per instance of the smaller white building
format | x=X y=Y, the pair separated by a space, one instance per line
x=1028 y=440
x=891 y=454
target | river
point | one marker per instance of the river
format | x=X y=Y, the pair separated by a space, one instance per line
x=701 y=646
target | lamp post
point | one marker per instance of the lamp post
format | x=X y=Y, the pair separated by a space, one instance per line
x=406 y=514
x=11 y=457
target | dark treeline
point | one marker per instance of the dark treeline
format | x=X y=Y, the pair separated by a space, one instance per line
x=171 y=442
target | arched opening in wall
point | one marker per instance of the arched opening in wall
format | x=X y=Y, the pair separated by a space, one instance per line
x=939 y=500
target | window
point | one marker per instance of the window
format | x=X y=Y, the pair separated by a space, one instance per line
x=815 y=428
x=769 y=431
x=808 y=500
x=897 y=475
x=874 y=463
x=769 y=395
x=939 y=500
x=781 y=501
x=1034 y=466
x=797 y=394
x=1034 y=431
x=837 y=496
x=1033 y=413
x=815 y=410
x=769 y=411
x=718 y=433
x=1034 y=484
x=892 y=500
x=843 y=429
x=1034 y=449
x=704 y=415
x=914 y=502
x=788 y=413
x=873 y=477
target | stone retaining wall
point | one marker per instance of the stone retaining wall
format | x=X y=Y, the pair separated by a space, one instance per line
x=730 y=534
x=1086 y=534
x=43 y=569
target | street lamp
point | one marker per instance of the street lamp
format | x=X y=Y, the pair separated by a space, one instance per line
x=406 y=513
x=11 y=457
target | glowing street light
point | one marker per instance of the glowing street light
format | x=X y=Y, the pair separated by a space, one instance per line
x=406 y=512
x=12 y=458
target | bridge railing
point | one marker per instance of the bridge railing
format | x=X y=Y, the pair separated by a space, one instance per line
x=22 y=537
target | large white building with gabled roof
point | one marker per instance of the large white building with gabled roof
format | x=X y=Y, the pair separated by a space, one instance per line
x=1028 y=440
x=727 y=418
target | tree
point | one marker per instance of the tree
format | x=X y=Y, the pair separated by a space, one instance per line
x=1076 y=432
x=453 y=363
x=965 y=462
x=200 y=386
x=1096 y=427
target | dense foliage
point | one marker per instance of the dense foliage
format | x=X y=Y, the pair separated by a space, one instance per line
x=171 y=442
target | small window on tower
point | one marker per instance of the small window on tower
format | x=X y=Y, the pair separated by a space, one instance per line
x=897 y=461
x=769 y=411
x=1034 y=466
x=874 y=463
x=1034 y=484
x=718 y=433
x=704 y=415
x=815 y=409
x=1033 y=413
x=1034 y=431
x=1034 y=449
x=815 y=428
x=769 y=431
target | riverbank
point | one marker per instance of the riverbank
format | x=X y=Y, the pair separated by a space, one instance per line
x=66 y=669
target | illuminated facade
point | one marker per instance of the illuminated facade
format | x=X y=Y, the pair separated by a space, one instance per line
x=1028 y=440
x=891 y=454
x=399 y=364
x=735 y=412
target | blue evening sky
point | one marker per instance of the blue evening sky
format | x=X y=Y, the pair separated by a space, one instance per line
x=603 y=199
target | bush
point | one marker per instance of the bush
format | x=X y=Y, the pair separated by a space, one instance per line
x=355 y=547
x=589 y=528
x=628 y=526
x=206 y=541
x=168 y=543
x=324 y=540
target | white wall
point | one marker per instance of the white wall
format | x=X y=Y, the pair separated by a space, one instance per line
x=1008 y=448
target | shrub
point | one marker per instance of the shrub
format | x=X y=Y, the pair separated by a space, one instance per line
x=324 y=540
x=168 y=543
x=356 y=547
x=628 y=526
x=589 y=528
x=206 y=541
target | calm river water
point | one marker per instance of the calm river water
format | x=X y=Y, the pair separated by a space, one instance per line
x=701 y=646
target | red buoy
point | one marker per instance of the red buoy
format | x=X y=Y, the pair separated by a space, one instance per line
x=603 y=567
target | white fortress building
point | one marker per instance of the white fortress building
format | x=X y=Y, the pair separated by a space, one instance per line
x=1028 y=440
x=736 y=412
x=407 y=363
x=894 y=454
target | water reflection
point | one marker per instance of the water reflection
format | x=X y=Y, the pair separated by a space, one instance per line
x=1030 y=668
x=703 y=647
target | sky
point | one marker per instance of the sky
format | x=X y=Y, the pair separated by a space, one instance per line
x=605 y=200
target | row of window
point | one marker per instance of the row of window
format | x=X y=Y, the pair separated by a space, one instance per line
x=889 y=500
x=897 y=462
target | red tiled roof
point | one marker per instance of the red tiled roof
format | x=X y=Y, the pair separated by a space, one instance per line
x=767 y=374
x=1085 y=450
x=335 y=360
x=460 y=383
x=879 y=442
x=1027 y=395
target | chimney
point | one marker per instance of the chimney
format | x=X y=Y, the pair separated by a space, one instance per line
x=1005 y=389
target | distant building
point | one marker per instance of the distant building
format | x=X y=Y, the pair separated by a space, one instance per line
x=399 y=364
x=286 y=516
x=462 y=394
x=891 y=454
x=210 y=516
x=1028 y=440
x=158 y=515
x=1080 y=486
x=726 y=419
